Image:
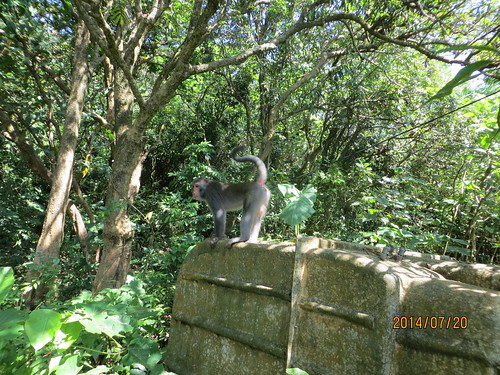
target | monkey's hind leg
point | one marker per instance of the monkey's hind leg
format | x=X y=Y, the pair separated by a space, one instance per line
x=250 y=226
x=257 y=222
x=246 y=224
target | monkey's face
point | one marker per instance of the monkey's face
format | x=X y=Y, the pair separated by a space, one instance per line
x=198 y=188
x=196 y=191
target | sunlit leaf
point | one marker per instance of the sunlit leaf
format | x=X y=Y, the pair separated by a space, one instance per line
x=41 y=327
x=67 y=335
x=464 y=75
x=112 y=325
x=288 y=190
x=6 y=281
x=296 y=371
x=69 y=366
x=300 y=208
x=54 y=362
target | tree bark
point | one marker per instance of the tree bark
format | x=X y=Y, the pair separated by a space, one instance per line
x=52 y=235
x=123 y=186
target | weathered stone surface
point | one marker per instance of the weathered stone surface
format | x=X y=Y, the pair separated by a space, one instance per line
x=344 y=308
x=483 y=275
x=232 y=309
x=328 y=307
x=460 y=331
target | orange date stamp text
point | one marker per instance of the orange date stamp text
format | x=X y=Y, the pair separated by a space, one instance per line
x=433 y=322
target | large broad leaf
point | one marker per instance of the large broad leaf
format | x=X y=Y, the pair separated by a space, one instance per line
x=464 y=75
x=54 y=363
x=41 y=327
x=6 y=281
x=111 y=325
x=300 y=208
x=11 y=324
x=145 y=352
x=288 y=190
x=67 y=335
x=69 y=366
x=310 y=193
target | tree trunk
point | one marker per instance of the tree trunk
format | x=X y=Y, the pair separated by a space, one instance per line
x=51 y=238
x=123 y=187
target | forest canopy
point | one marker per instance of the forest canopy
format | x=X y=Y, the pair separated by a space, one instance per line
x=382 y=116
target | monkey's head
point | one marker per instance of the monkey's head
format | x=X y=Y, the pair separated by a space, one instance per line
x=199 y=187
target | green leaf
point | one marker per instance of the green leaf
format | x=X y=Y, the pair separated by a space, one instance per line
x=6 y=281
x=457 y=249
x=101 y=369
x=288 y=190
x=41 y=327
x=310 y=193
x=11 y=324
x=67 y=335
x=406 y=234
x=110 y=325
x=69 y=366
x=143 y=351
x=296 y=371
x=54 y=363
x=119 y=13
x=459 y=241
x=464 y=75
x=300 y=208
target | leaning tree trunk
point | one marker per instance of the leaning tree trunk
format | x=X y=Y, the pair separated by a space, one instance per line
x=51 y=238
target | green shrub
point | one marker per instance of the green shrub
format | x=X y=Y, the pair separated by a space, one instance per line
x=114 y=332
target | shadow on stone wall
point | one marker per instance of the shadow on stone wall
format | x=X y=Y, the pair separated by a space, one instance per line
x=330 y=307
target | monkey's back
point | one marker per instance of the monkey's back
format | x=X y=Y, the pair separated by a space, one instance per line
x=239 y=194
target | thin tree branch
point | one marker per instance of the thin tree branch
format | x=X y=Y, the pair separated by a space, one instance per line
x=103 y=35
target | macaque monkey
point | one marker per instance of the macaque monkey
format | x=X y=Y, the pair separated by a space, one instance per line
x=252 y=196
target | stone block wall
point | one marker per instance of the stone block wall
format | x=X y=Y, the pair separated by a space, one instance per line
x=232 y=310
x=328 y=307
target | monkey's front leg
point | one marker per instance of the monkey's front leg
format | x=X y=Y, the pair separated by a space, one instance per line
x=220 y=225
x=213 y=241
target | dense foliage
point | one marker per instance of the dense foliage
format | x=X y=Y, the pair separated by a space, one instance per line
x=367 y=138
x=116 y=331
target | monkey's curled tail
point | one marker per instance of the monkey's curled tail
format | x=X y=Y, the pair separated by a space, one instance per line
x=261 y=167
